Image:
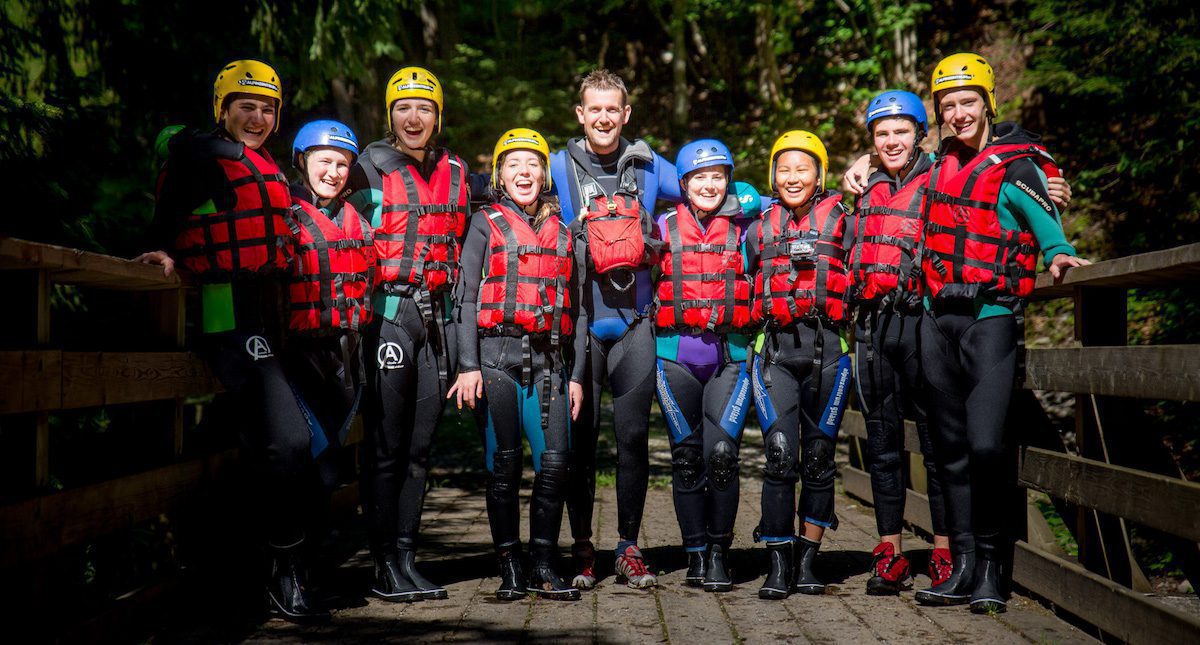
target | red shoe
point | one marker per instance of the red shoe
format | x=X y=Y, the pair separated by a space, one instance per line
x=584 y=556
x=632 y=568
x=891 y=571
x=940 y=566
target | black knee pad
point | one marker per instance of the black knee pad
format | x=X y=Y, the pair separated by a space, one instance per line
x=818 y=468
x=781 y=464
x=555 y=465
x=506 y=473
x=723 y=465
x=688 y=463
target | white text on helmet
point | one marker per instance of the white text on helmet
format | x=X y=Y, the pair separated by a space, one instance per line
x=250 y=81
x=954 y=77
x=413 y=86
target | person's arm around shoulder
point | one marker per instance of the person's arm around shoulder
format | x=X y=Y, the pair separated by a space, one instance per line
x=668 y=181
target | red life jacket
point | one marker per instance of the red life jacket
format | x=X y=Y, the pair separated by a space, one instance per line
x=612 y=224
x=964 y=241
x=420 y=226
x=253 y=235
x=803 y=265
x=330 y=288
x=527 y=275
x=885 y=244
x=703 y=284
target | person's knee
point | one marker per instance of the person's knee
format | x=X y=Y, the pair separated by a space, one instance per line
x=780 y=464
x=506 y=473
x=723 y=464
x=687 y=462
x=818 y=470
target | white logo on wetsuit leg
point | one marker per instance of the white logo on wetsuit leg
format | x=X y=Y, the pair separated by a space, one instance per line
x=257 y=348
x=390 y=356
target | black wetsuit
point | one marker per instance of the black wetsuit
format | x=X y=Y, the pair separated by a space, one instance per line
x=798 y=421
x=512 y=402
x=890 y=382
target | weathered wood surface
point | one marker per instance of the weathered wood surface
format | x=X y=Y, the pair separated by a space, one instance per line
x=1177 y=266
x=47 y=380
x=72 y=266
x=44 y=525
x=1127 y=615
x=458 y=550
x=1146 y=498
x=1147 y=372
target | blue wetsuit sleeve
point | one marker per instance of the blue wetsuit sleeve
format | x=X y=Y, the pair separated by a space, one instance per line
x=558 y=175
x=668 y=180
x=466 y=293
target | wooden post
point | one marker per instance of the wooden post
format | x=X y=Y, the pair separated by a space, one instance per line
x=1101 y=318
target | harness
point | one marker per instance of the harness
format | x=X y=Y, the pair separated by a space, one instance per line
x=703 y=285
x=612 y=224
x=331 y=283
x=803 y=272
x=253 y=235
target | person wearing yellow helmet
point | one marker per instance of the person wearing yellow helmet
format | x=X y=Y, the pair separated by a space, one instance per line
x=228 y=205
x=415 y=194
x=800 y=372
x=987 y=198
x=516 y=307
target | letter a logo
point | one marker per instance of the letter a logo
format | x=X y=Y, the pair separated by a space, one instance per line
x=390 y=356
x=257 y=348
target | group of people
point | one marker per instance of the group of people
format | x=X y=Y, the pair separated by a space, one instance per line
x=369 y=285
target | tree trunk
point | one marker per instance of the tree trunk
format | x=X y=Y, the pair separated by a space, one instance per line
x=343 y=102
x=679 y=111
x=770 y=79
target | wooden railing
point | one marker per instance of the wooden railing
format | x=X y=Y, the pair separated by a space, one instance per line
x=1116 y=474
x=146 y=367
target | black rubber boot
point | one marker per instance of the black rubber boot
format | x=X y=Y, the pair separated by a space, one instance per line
x=544 y=580
x=986 y=597
x=513 y=583
x=957 y=589
x=697 y=569
x=716 y=577
x=806 y=581
x=287 y=589
x=408 y=566
x=777 y=586
x=390 y=582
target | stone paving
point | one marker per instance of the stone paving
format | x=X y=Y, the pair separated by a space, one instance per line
x=459 y=550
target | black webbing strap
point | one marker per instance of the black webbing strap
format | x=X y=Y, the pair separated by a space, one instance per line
x=512 y=265
x=412 y=222
x=817 y=361
x=726 y=317
x=676 y=266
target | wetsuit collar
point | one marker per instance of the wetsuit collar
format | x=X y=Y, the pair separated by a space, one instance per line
x=920 y=166
x=388 y=159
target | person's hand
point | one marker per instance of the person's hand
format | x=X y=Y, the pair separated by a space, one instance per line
x=467 y=388
x=160 y=258
x=1061 y=262
x=1060 y=191
x=855 y=179
x=575 y=393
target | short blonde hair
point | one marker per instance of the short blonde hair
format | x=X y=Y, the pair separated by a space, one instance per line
x=602 y=79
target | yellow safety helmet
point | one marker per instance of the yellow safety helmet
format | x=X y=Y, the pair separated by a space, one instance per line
x=413 y=83
x=963 y=70
x=247 y=77
x=520 y=139
x=803 y=141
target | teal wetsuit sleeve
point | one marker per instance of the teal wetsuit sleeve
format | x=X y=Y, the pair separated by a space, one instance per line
x=1025 y=197
x=365 y=196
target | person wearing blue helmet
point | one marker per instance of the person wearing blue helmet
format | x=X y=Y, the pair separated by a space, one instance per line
x=702 y=321
x=887 y=327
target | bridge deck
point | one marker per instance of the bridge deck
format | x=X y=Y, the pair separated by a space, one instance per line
x=459 y=550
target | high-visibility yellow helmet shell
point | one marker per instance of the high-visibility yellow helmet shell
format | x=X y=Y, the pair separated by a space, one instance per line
x=520 y=139
x=247 y=77
x=414 y=83
x=804 y=141
x=961 y=71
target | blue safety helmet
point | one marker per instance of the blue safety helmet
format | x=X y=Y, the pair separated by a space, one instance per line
x=898 y=103
x=749 y=198
x=702 y=153
x=324 y=132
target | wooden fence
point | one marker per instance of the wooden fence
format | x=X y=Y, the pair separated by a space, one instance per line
x=1116 y=474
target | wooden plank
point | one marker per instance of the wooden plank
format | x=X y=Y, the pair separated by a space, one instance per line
x=43 y=525
x=1145 y=372
x=72 y=266
x=1145 y=498
x=855 y=425
x=38 y=381
x=1177 y=266
x=1119 y=611
x=916 y=506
